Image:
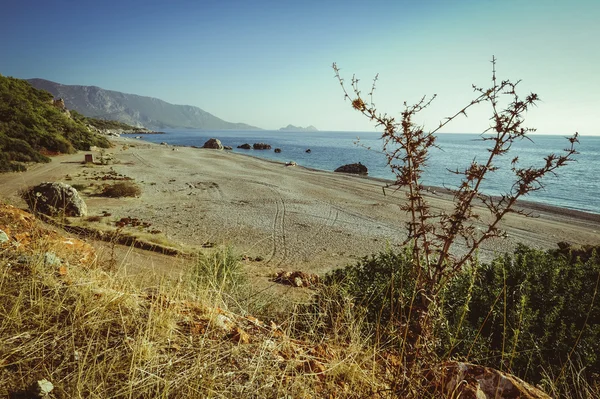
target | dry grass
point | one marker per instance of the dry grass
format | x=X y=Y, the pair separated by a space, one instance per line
x=96 y=334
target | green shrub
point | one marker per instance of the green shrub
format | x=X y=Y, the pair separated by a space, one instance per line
x=535 y=312
x=121 y=189
x=531 y=313
x=382 y=285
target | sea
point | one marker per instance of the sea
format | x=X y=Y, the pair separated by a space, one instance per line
x=575 y=186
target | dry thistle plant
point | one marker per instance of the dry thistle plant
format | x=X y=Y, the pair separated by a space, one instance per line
x=433 y=236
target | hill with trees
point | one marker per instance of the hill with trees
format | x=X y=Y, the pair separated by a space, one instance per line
x=33 y=125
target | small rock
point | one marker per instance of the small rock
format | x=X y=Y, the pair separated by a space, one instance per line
x=308 y=151
x=277 y=150
x=245 y=146
x=40 y=388
x=50 y=259
x=228 y=148
x=291 y=163
x=3 y=237
x=223 y=322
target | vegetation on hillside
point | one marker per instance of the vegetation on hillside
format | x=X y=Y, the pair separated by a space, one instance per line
x=103 y=124
x=31 y=127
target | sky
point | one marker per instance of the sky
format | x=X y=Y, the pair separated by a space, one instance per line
x=268 y=63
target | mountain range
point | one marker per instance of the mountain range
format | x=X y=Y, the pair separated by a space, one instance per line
x=135 y=110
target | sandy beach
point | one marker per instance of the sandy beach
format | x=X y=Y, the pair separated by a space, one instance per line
x=287 y=217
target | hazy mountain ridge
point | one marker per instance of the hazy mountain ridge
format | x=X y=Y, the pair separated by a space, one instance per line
x=292 y=128
x=133 y=109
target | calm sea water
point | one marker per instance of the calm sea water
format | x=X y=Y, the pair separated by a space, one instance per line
x=577 y=185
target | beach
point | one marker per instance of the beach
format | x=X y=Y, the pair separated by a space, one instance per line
x=278 y=216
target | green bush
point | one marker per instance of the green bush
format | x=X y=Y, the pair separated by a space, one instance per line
x=531 y=313
x=531 y=310
x=121 y=189
x=382 y=285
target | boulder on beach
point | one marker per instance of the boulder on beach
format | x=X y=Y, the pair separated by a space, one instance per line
x=278 y=150
x=226 y=147
x=355 y=168
x=54 y=199
x=244 y=146
x=214 y=144
x=261 y=146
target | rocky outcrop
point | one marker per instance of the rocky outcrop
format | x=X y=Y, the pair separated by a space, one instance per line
x=469 y=381
x=214 y=144
x=261 y=146
x=355 y=168
x=245 y=146
x=60 y=104
x=54 y=199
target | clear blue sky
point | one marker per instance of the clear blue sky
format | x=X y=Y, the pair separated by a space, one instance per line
x=268 y=63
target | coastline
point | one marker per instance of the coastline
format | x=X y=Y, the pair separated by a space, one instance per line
x=294 y=218
x=521 y=204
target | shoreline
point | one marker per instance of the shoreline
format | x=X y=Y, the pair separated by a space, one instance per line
x=521 y=204
x=280 y=217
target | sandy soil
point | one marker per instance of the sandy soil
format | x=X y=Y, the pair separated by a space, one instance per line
x=291 y=217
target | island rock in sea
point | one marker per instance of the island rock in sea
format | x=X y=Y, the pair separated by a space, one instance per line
x=215 y=144
x=245 y=146
x=355 y=168
x=292 y=128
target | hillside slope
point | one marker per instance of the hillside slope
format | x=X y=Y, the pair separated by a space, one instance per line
x=134 y=110
x=33 y=126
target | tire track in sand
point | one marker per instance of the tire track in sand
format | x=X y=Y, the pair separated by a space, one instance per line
x=279 y=252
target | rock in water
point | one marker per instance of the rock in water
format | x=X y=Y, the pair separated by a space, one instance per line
x=55 y=199
x=215 y=144
x=261 y=146
x=245 y=146
x=355 y=168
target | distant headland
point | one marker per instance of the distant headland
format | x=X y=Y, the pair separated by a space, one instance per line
x=292 y=128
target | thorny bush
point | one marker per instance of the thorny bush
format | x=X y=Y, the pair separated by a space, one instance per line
x=434 y=235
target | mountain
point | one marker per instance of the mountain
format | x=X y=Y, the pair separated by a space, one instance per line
x=292 y=128
x=134 y=110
